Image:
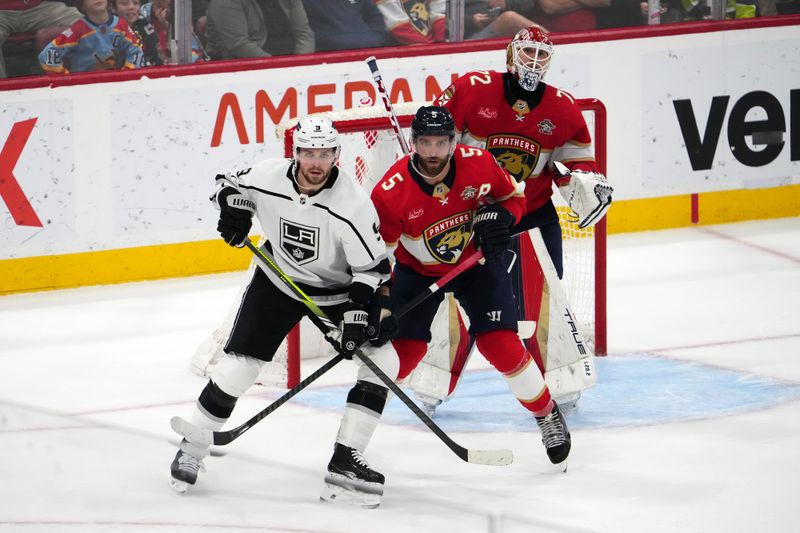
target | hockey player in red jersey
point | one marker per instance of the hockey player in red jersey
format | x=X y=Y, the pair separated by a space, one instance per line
x=527 y=125
x=435 y=205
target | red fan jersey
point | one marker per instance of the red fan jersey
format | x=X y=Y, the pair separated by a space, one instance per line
x=524 y=136
x=431 y=225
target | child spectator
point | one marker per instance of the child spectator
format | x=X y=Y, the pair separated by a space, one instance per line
x=29 y=16
x=98 y=41
x=153 y=28
x=346 y=24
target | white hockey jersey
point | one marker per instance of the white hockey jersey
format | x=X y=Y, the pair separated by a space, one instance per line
x=325 y=242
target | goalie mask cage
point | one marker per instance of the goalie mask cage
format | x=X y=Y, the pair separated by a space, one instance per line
x=370 y=146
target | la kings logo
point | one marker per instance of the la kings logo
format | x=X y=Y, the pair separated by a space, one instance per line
x=300 y=242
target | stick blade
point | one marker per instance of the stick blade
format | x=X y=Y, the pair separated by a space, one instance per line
x=490 y=457
x=195 y=435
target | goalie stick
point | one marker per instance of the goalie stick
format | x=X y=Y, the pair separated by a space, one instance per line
x=205 y=437
x=372 y=63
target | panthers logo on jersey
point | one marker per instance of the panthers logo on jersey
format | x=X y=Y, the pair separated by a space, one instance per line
x=517 y=154
x=447 y=238
x=418 y=15
x=300 y=242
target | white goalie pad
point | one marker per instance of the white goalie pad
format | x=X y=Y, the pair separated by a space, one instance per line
x=431 y=379
x=569 y=366
x=588 y=195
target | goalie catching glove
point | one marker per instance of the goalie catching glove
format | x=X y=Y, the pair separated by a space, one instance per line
x=492 y=228
x=235 y=214
x=588 y=195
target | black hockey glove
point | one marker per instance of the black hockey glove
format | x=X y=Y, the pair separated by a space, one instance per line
x=235 y=216
x=354 y=328
x=380 y=331
x=492 y=227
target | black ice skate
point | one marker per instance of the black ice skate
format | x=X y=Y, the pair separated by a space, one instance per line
x=184 y=470
x=555 y=435
x=351 y=480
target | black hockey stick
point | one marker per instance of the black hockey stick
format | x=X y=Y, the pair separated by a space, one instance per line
x=204 y=437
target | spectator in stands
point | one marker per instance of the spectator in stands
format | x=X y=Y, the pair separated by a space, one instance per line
x=257 y=28
x=346 y=24
x=622 y=13
x=486 y=19
x=98 y=41
x=567 y=15
x=29 y=16
x=153 y=28
x=127 y=10
x=414 y=21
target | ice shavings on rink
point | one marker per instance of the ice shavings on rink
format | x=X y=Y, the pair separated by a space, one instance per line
x=632 y=390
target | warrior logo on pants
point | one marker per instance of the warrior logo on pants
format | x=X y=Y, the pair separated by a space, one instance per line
x=299 y=241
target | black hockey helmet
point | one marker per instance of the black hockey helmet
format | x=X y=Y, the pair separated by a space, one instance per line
x=433 y=120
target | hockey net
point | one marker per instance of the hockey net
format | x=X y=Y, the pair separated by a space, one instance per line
x=370 y=146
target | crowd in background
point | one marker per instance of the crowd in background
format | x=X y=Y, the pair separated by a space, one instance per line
x=66 y=36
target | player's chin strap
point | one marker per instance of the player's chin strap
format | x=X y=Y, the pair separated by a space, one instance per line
x=201 y=436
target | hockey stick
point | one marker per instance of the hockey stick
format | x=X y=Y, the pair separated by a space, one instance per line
x=205 y=437
x=372 y=63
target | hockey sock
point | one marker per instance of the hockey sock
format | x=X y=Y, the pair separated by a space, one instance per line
x=411 y=352
x=365 y=403
x=505 y=351
x=215 y=405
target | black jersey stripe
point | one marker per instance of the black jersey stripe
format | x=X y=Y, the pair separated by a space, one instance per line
x=334 y=215
x=270 y=193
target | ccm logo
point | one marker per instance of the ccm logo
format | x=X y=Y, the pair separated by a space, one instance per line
x=766 y=134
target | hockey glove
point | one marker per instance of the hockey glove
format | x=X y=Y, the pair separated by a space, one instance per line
x=354 y=328
x=492 y=227
x=383 y=326
x=235 y=216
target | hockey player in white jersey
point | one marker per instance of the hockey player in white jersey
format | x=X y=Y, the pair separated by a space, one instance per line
x=322 y=230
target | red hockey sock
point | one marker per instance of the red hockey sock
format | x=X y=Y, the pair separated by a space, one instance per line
x=411 y=352
x=505 y=351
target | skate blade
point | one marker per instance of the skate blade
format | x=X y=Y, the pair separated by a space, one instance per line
x=341 y=495
x=561 y=467
x=178 y=486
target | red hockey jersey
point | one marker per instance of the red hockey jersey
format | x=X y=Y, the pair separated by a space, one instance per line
x=523 y=139
x=431 y=226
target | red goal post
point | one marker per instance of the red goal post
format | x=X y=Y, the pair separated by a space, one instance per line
x=370 y=146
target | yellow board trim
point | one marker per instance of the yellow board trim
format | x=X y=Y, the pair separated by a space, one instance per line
x=118 y=266
x=214 y=256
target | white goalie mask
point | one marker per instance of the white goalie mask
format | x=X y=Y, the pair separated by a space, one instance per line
x=528 y=56
x=316 y=132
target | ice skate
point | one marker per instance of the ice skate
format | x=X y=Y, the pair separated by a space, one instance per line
x=184 y=470
x=555 y=436
x=350 y=480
